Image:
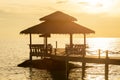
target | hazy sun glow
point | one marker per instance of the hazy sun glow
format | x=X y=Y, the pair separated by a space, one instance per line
x=102 y=43
x=94 y=6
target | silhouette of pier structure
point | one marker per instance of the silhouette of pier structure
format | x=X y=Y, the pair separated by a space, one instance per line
x=61 y=23
x=74 y=56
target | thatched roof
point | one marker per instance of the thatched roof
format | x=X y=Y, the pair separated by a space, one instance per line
x=57 y=28
x=57 y=25
x=58 y=16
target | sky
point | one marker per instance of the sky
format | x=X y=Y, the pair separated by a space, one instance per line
x=102 y=16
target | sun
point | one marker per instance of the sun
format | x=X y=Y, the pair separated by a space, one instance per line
x=94 y=6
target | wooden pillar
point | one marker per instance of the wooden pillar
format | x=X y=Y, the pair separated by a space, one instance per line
x=106 y=71
x=84 y=44
x=83 y=61
x=30 y=47
x=56 y=44
x=83 y=70
x=99 y=53
x=56 y=48
x=71 y=40
x=107 y=54
x=46 y=44
x=31 y=73
x=67 y=61
x=67 y=68
x=106 y=67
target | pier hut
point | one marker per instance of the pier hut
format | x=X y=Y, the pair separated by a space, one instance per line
x=56 y=23
x=61 y=23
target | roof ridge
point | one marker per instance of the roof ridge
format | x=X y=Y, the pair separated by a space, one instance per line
x=59 y=16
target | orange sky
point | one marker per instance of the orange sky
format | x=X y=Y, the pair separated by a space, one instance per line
x=99 y=15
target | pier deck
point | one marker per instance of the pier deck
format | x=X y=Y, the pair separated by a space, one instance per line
x=79 y=58
x=64 y=56
x=88 y=59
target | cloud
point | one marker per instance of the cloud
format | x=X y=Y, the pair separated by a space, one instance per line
x=83 y=2
x=25 y=6
x=19 y=7
x=3 y=12
x=87 y=4
x=62 y=1
x=108 y=7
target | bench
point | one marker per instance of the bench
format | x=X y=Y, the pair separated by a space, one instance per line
x=75 y=49
x=40 y=49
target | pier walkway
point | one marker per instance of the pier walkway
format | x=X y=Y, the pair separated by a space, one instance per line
x=87 y=58
x=63 y=55
x=67 y=56
x=74 y=54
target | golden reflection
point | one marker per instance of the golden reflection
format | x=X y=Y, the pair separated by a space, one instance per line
x=101 y=43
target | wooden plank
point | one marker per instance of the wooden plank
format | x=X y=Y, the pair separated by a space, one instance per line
x=88 y=59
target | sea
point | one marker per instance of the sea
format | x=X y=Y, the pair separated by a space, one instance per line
x=16 y=51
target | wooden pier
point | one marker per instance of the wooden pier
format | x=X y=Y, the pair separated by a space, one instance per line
x=87 y=59
x=39 y=51
x=61 y=23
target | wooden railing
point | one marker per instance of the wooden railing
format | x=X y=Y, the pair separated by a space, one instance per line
x=40 y=49
x=75 y=49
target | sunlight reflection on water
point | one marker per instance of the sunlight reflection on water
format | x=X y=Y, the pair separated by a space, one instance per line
x=103 y=43
x=17 y=51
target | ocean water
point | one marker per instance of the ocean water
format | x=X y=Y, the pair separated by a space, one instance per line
x=15 y=51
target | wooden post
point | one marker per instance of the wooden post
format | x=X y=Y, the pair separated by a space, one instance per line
x=30 y=47
x=106 y=67
x=106 y=71
x=84 y=45
x=107 y=54
x=55 y=47
x=83 y=61
x=99 y=53
x=67 y=68
x=56 y=44
x=31 y=73
x=83 y=70
x=45 y=45
x=67 y=61
x=71 y=40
